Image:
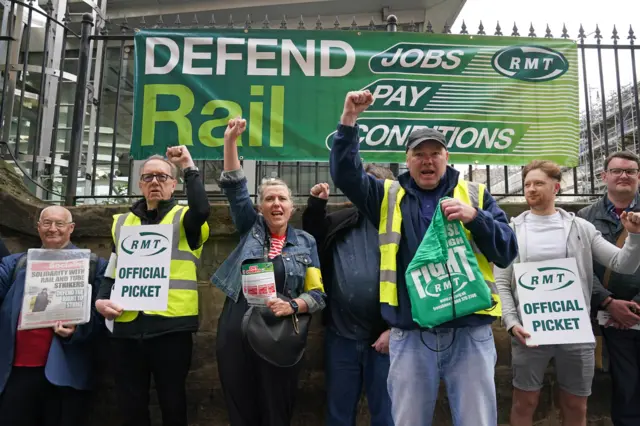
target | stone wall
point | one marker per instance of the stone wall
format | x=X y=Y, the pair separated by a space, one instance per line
x=18 y=215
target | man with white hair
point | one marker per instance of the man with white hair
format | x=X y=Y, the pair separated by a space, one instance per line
x=159 y=343
x=45 y=374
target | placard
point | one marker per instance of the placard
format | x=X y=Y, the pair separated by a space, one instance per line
x=552 y=304
x=144 y=263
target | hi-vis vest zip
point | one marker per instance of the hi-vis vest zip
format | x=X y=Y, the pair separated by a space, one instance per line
x=183 y=281
x=470 y=193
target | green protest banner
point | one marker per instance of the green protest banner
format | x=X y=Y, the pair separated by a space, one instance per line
x=498 y=100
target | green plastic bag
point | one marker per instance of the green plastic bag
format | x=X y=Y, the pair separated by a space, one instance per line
x=443 y=279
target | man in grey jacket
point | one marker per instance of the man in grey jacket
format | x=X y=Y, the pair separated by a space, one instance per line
x=545 y=233
x=619 y=294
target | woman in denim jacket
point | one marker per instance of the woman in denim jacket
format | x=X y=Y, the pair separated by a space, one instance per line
x=258 y=393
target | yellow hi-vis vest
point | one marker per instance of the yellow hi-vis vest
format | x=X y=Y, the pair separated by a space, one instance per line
x=183 y=281
x=470 y=193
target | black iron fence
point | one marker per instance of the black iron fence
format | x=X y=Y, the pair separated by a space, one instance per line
x=67 y=102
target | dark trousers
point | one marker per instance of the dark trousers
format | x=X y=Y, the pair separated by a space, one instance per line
x=624 y=359
x=348 y=365
x=168 y=359
x=30 y=400
x=256 y=393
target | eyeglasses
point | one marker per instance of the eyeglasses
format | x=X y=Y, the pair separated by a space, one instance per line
x=619 y=172
x=57 y=223
x=148 y=177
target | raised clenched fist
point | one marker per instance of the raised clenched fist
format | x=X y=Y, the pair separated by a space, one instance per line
x=631 y=221
x=235 y=128
x=357 y=102
x=354 y=104
x=321 y=190
x=180 y=156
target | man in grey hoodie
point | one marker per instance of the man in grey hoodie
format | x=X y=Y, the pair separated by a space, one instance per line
x=546 y=232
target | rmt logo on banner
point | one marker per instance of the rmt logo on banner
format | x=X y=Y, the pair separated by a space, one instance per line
x=530 y=63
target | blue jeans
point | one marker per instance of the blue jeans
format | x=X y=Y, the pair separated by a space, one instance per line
x=466 y=363
x=349 y=363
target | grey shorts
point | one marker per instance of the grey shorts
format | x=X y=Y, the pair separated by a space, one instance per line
x=575 y=366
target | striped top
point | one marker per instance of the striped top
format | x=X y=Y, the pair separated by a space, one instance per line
x=277 y=243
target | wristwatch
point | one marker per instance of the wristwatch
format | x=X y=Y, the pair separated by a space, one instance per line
x=189 y=169
x=294 y=306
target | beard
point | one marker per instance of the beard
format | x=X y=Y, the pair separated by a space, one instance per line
x=537 y=201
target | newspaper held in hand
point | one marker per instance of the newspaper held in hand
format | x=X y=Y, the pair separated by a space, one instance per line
x=56 y=288
x=604 y=317
x=258 y=283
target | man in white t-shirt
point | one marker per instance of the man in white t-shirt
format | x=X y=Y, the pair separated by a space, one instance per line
x=546 y=232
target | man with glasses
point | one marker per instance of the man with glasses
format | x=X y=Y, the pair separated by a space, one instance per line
x=159 y=343
x=619 y=294
x=45 y=374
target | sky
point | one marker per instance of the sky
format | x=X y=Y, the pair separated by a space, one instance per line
x=572 y=13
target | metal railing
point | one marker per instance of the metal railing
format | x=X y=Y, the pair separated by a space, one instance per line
x=16 y=38
x=86 y=158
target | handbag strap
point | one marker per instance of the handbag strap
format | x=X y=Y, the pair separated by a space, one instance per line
x=619 y=244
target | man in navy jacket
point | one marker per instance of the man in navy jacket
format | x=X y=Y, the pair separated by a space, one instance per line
x=44 y=373
x=356 y=338
x=460 y=352
x=3 y=250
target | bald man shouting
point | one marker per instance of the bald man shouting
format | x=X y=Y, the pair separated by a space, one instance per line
x=45 y=374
